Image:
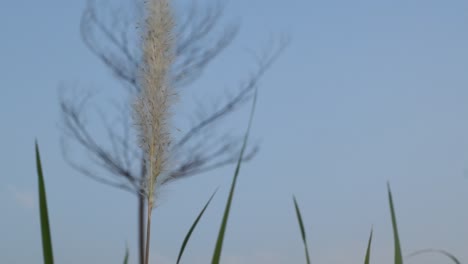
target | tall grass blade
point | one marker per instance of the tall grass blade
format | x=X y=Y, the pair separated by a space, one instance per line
x=126 y=256
x=45 y=227
x=439 y=251
x=367 y=258
x=396 y=239
x=301 y=226
x=219 y=243
x=189 y=233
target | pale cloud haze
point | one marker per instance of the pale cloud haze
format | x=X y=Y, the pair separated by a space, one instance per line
x=22 y=198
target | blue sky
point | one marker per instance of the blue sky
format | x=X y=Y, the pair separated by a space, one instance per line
x=367 y=92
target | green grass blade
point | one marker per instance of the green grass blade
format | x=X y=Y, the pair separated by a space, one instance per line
x=301 y=226
x=367 y=258
x=45 y=227
x=396 y=239
x=219 y=242
x=189 y=233
x=439 y=251
x=127 y=254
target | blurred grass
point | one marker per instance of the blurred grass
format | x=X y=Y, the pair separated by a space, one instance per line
x=368 y=251
x=398 y=258
x=126 y=256
x=437 y=251
x=303 y=233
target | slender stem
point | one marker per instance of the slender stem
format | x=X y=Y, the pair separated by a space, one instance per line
x=148 y=229
x=141 y=228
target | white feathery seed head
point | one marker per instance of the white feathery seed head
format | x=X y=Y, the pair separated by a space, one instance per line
x=152 y=107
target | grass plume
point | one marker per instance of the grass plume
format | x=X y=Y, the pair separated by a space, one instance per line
x=152 y=107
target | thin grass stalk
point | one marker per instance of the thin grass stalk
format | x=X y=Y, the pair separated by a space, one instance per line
x=148 y=232
x=141 y=228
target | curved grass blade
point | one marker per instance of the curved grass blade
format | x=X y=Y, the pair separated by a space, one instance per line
x=439 y=251
x=396 y=239
x=367 y=258
x=189 y=233
x=219 y=243
x=126 y=256
x=301 y=226
x=45 y=227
